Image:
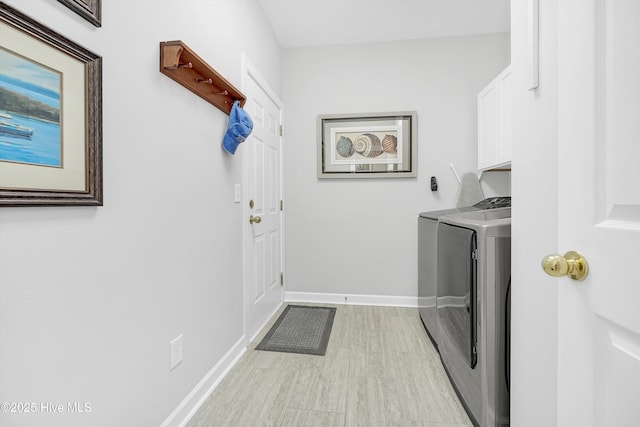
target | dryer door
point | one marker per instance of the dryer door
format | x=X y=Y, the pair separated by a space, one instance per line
x=457 y=311
x=457 y=318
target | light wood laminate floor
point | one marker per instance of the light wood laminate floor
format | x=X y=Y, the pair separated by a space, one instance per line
x=380 y=370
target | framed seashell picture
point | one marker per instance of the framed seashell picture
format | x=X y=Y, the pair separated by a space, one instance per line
x=375 y=145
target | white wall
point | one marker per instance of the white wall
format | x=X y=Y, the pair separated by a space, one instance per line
x=359 y=237
x=90 y=297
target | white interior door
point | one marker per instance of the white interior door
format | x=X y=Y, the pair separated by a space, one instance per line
x=599 y=211
x=263 y=241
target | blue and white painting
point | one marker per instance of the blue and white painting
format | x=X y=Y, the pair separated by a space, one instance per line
x=29 y=112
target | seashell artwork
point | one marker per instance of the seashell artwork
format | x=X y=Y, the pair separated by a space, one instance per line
x=390 y=144
x=344 y=147
x=368 y=145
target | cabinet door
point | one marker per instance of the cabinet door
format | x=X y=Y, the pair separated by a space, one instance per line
x=503 y=155
x=494 y=123
x=488 y=131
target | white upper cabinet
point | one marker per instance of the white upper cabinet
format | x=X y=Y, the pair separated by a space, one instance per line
x=494 y=123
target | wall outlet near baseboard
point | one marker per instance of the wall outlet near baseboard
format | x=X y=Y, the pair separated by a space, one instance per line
x=175 y=349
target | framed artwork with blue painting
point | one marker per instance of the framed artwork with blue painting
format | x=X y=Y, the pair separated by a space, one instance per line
x=50 y=116
x=367 y=145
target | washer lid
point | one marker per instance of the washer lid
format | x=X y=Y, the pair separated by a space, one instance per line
x=437 y=214
x=493 y=222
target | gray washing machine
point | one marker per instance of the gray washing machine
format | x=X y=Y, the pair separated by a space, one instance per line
x=473 y=310
x=428 y=259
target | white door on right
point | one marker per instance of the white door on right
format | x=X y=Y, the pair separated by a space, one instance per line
x=599 y=211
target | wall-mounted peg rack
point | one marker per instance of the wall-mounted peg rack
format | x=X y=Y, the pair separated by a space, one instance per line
x=180 y=63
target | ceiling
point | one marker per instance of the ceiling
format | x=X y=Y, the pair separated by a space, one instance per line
x=303 y=23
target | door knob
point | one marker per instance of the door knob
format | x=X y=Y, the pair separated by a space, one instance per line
x=255 y=219
x=572 y=264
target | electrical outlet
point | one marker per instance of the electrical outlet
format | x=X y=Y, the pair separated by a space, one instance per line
x=175 y=349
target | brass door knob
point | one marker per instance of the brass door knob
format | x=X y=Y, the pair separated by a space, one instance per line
x=572 y=264
x=255 y=219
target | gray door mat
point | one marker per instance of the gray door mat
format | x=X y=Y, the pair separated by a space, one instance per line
x=300 y=329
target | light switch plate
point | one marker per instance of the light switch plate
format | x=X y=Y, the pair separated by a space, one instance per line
x=237 y=193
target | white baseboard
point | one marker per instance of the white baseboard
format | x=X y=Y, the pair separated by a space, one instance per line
x=196 y=397
x=351 y=299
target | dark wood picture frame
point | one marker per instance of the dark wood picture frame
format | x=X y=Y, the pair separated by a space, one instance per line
x=90 y=149
x=91 y=10
x=368 y=145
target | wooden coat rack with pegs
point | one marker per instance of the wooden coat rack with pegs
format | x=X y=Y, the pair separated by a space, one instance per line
x=180 y=63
